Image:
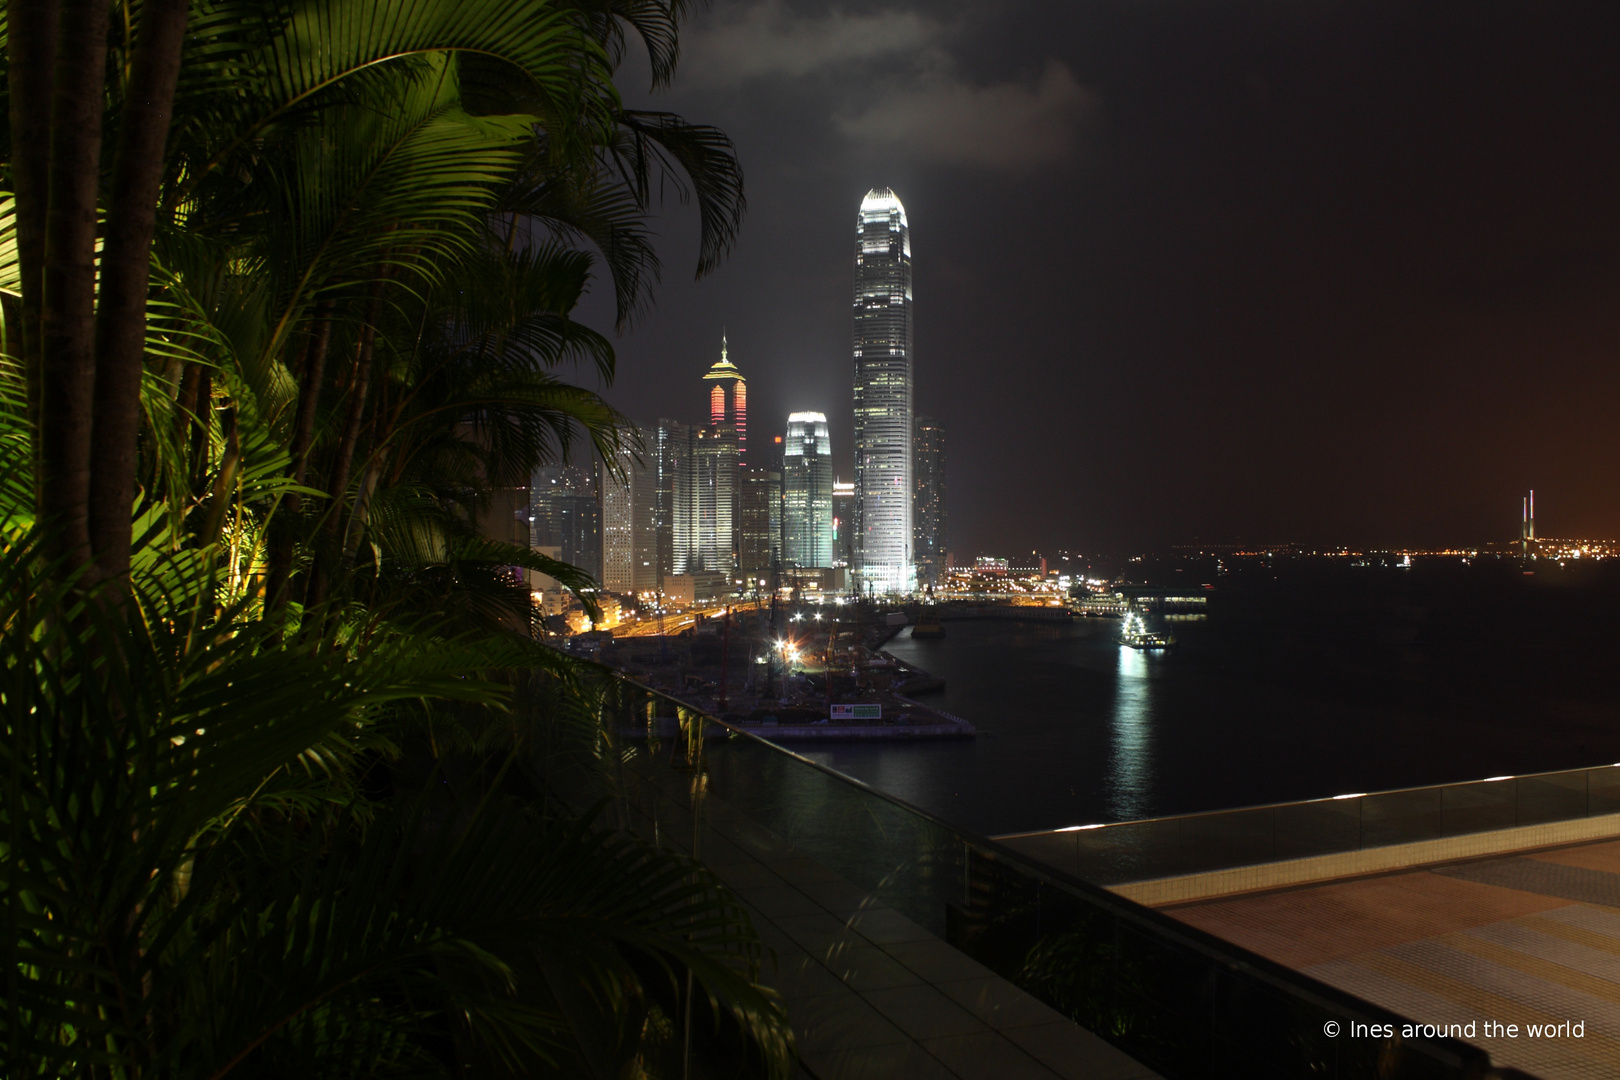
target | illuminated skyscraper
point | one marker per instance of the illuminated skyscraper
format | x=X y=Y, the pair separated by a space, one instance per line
x=704 y=463
x=714 y=495
x=672 y=529
x=807 y=539
x=928 y=510
x=629 y=520
x=883 y=396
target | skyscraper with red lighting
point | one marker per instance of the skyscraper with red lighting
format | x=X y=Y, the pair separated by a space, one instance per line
x=728 y=399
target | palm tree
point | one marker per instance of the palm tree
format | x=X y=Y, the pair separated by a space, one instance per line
x=222 y=856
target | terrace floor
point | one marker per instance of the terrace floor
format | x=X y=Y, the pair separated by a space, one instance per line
x=1527 y=939
x=870 y=993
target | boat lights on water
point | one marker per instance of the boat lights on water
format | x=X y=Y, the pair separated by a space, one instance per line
x=1136 y=635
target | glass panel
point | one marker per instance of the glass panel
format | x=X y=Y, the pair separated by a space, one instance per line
x=1476 y=807
x=1317 y=828
x=1553 y=797
x=1133 y=851
x=1213 y=841
x=902 y=857
x=1603 y=790
x=1400 y=817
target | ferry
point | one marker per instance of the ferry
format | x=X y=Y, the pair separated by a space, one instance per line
x=928 y=625
x=1136 y=634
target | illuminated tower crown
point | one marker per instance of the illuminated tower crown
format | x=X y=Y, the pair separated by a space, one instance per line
x=728 y=397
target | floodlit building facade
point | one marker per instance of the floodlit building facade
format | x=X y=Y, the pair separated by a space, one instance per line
x=704 y=463
x=673 y=527
x=714 y=495
x=807 y=529
x=884 y=395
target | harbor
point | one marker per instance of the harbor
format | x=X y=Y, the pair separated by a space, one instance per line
x=813 y=676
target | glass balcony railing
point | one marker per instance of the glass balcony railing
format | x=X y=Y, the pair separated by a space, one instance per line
x=1197 y=843
x=1186 y=1004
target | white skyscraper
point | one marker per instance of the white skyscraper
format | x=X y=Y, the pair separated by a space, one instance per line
x=807 y=538
x=883 y=396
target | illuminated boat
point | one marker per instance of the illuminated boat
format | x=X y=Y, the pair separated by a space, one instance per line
x=1135 y=634
x=928 y=625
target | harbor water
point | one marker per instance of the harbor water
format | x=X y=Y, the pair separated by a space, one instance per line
x=1291 y=687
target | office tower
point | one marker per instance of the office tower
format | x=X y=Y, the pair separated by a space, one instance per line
x=618 y=559
x=883 y=396
x=807 y=492
x=928 y=510
x=843 y=502
x=629 y=508
x=754 y=492
x=704 y=537
x=773 y=477
x=728 y=399
x=713 y=492
x=564 y=514
x=671 y=449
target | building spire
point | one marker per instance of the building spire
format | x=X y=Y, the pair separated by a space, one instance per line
x=722 y=345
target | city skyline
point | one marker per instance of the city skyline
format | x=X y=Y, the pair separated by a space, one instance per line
x=1236 y=272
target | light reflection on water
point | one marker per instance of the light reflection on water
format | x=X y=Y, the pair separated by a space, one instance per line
x=1129 y=777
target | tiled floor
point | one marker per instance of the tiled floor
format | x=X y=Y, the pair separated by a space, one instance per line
x=869 y=992
x=1530 y=939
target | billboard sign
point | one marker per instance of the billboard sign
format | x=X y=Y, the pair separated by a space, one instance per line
x=857 y=712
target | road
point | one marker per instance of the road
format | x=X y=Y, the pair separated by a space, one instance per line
x=648 y=626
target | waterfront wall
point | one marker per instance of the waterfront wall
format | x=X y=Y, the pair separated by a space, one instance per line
x=1014 y=612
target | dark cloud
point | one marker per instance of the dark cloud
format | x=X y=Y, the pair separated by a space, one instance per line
x=889 y=80
x=939 y=118
x=745 y=42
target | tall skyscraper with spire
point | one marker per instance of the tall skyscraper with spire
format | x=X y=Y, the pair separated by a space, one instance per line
x=883 y=396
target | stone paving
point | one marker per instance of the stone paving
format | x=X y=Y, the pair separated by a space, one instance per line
x=870 y=993
x=1527 y=939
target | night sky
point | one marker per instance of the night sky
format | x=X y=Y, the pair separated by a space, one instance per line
x=1219 y=271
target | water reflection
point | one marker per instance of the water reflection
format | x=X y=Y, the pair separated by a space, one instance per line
x=1129 y=778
